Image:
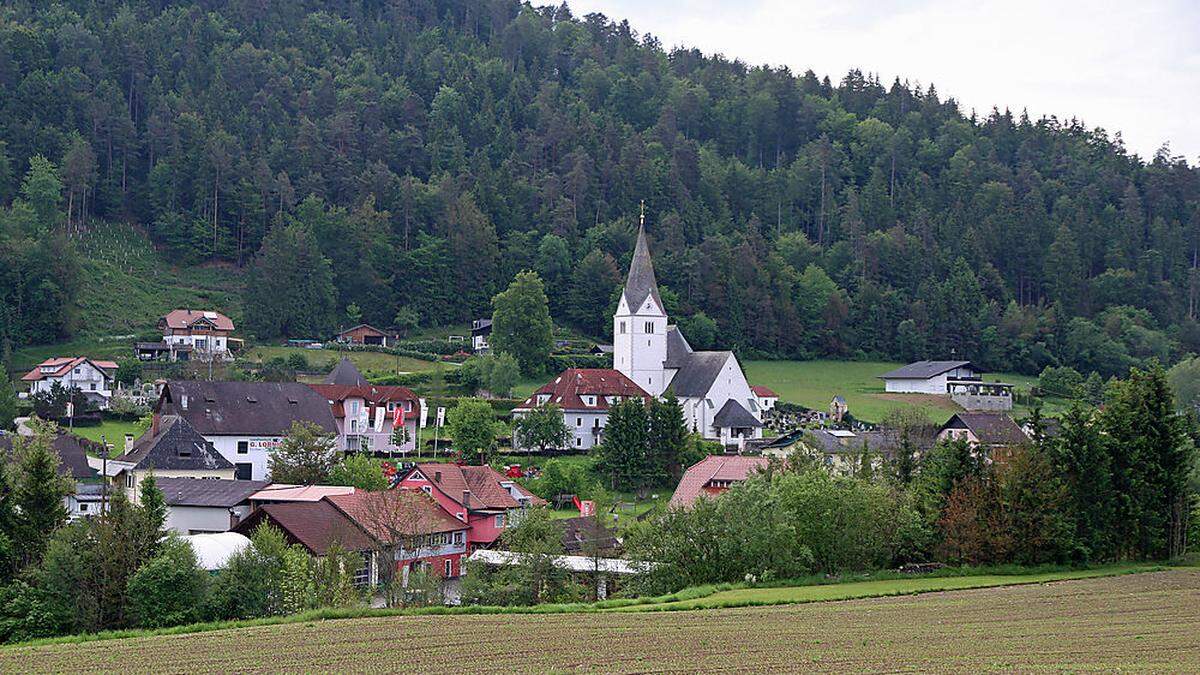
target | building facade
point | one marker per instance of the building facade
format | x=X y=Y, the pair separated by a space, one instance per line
x=206 y=334
x=93 y=378
x=584 y=395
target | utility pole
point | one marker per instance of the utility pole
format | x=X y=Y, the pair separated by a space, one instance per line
x=104 y=472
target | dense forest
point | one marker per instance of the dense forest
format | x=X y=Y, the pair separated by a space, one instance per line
x=412 y=155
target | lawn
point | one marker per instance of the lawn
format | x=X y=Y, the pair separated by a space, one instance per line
x=113 y=432
x=322 y=360
x=1132 y=622
x=814 y=383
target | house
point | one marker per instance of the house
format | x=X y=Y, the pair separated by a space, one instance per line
x=601 y=350
x=604 y=573
x=962 y=381
x=201 y=505
x=840 y=451
x=244 y=421
x=345 y=373
x=997 y=433
x=170 y=448
x=766 y=397
x=88 y=497
x=584 y=395
x=717 y=401
x=481 y=331
x=479 y=496
x=367 y=415
x=406 y=527
x=206 y=333
x=713 y=476
x=410 y=524
x=91 y=377
x=366 y=334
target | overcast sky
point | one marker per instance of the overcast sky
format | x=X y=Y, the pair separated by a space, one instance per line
x=1132 y=66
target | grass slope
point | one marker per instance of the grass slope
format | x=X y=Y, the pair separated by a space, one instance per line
x=1143 y=622
x=369 y=363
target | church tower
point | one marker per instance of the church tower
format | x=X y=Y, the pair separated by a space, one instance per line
x=640 y=324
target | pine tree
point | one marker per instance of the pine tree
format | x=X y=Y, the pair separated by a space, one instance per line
x=38 y=492
x=667 y=438
x=1083 y=457
x=622 y=454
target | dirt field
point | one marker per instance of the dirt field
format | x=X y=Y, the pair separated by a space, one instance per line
x=1146 y=622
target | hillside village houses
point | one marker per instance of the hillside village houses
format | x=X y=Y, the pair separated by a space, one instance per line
x=170 y=448
x=717 y=401
x=367 y=415
x=201 y=335
x=479 y=496
x=73 y=453
x=962 y=381
x=93 y=378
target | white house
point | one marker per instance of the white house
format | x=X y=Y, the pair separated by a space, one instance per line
x=717 y=400
x=367 y=414
x=202 y=506
x=205 y=333
x=767 y=398
x=585 y=395
x=244 y=421
x=93 y=378
x=170 y=448
x=928 y=377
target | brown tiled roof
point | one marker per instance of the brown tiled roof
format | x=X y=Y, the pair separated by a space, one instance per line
x=735 y=468
x=392 y=514
x=567 y=390
x=763 y=392
x=183 y=318
x=314 y=525
x=989 y=428
x=482 y=481
x=62 y=365
x=374 y=395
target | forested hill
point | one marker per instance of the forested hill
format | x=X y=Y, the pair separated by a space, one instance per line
x=411 y=156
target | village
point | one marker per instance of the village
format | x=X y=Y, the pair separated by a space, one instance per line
x=210 y=445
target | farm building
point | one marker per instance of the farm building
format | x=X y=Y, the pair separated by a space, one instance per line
x=244 y=421
x=91 y=377
x=584 y=395
x=928 y=377
x=713 y=476
x=199 y=506
x=366 y=334
x=479 y=496
x=207 y=335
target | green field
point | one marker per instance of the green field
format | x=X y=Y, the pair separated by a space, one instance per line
x=113 y=432
x=814 y=383
x=1144 y=622
x=323 y=360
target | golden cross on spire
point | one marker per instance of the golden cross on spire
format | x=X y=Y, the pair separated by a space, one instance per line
x=642 y=218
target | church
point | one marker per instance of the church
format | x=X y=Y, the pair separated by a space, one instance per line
x=717 y=400
x=651 y=357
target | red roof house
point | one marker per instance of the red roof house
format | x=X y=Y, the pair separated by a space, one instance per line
x=91 y=377
x=713 y=476
x=585 y=395
x=366 y=414
x=479 y=496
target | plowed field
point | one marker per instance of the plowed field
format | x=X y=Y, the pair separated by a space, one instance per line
x=1145 y=622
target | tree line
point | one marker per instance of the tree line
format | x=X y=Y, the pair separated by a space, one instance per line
x=409 y=158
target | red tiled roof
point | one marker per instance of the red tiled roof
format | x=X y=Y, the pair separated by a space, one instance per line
x=392 y=514
x=184 y=318
x=567 y=390
x=482 y=481
x=733 y=468
x=314 y=525
x=374 y=395
x=763 y=392
x=62 y=365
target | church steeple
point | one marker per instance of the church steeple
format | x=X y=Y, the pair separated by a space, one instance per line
x=641 y=282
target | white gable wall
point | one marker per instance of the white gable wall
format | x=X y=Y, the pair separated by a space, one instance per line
x=640 y=344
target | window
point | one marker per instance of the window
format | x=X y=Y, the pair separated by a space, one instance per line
x=578 y=442
x=449 y=568
x=427 y=489
x=129 y=482
x=243 y=471
x=500 y=520
x=93 y=386
x=243 y=447
x=362 y=575
x=185 y=451
x=578 y=421
x=83 y=508
x=649 y=326
x=622 y=328
x=458 y=538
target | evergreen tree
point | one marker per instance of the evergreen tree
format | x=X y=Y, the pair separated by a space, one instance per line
x=290 y=291
x=306 y=456
x=622 y=454
x=521 y=323
x=1084 y=459
x=667 y=439
x=38 y=492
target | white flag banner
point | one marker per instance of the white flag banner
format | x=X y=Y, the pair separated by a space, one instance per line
x=379 y=415
x=424 y=413
x=441 y=416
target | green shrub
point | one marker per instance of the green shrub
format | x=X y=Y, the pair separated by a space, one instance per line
x=168 y=590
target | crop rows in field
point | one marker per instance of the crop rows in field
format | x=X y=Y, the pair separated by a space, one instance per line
x=1131 y=622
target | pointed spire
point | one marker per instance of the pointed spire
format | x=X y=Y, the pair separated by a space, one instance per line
x=641 y=282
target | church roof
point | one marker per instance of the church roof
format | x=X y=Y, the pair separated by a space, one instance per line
x=733 y=416
x=345 y=373
x=641 y=281
x=697 y=372
x=678 y=348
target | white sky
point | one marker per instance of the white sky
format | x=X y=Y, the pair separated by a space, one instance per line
x=1132 y=67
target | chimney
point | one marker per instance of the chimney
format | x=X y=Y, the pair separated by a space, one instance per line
x=466 y=500
x=128 y=442
x=437 y=476
x=183 y=401
x=155 y=423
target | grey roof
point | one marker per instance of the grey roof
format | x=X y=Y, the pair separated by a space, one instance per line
x=678 y=348
x=733 y=415
x=696 y=372
x=825 y=442
x=989 y=428
x=178 y=446
x=640 y=282
x=72 y=451
x=246 y=408
x=922 y=370
x=208 y=492
x=345 y=372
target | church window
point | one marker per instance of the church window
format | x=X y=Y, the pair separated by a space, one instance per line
x=649 y=326
x=622 y=328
